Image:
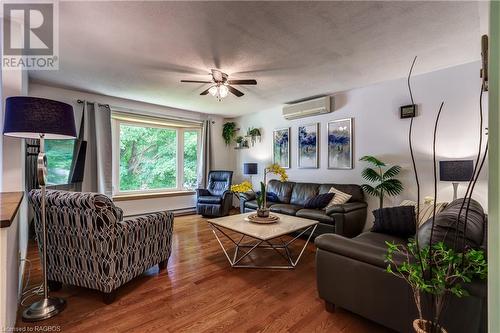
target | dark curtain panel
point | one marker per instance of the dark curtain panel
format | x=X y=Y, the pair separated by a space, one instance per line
x=205 y=162
x=97 y=175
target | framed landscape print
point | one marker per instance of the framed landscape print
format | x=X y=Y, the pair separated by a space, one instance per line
x=340 y=144
x=308 y=149
x=281 y=147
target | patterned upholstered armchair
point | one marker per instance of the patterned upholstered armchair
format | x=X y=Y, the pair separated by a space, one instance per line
x=89 y=245
x=217 y=198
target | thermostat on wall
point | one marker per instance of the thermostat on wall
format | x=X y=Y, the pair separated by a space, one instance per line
x=408 y=111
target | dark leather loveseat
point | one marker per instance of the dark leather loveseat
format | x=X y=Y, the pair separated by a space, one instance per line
x=347 y=219
x=351 y=274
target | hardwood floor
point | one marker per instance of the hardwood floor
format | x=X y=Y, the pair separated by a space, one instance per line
x=200 y=292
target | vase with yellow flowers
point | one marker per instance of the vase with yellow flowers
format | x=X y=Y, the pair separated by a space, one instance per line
x=261 y=196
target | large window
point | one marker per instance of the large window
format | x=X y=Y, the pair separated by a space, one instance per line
x=59 y=157
x=154 y=157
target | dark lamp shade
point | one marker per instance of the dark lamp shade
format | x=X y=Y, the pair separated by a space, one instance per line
x=250 y=168
x=28 y=117
x=456 y=171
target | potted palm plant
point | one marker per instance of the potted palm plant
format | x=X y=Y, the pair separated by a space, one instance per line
x=385 y=183
x=261 y=196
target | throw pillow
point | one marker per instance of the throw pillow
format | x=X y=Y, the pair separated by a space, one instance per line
x=339 y=198
x=425 y=209
x=320 y=201
x=270 y=196
x=397 y=221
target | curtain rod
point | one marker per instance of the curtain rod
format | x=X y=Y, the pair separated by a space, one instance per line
x=118 y=108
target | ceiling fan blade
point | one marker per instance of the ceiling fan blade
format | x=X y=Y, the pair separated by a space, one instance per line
x=196 y=81
x=217 y=75
x=235 y=91
x=252 y=82
x=205 y=92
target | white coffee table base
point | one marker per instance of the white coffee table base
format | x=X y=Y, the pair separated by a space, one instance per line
x=281 y=248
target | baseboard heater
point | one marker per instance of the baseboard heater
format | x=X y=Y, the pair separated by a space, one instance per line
x=177 y=212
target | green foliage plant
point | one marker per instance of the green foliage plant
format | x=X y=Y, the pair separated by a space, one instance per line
x=450 y=271
x=228 y=132
x=254 y=133
x=385 y=183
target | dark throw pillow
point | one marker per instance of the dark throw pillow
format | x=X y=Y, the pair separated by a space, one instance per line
x=270 y=196
x=397 y=221
x=320 y=201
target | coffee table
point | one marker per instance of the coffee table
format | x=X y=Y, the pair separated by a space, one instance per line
x=268 y=236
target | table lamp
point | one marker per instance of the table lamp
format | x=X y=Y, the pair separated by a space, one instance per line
x=40 y=118
x=250 y=169
x=456 y=171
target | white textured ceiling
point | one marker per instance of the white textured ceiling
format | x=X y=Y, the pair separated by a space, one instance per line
x=141 y=50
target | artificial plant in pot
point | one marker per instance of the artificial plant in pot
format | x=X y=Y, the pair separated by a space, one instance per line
x=383 y=177
x=254 y=133
x=228 y=132
x=261 y=196
x=241 y=142
x=439 y=269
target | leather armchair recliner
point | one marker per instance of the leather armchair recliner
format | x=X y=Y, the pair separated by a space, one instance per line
x=216 y=199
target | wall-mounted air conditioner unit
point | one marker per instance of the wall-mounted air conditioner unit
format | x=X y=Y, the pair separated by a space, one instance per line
x=308 y=108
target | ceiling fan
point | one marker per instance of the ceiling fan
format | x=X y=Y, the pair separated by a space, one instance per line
x=221 y=85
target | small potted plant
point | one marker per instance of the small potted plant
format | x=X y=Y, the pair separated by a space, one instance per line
x=261 y=197
x=241 y=142
x=254 y=133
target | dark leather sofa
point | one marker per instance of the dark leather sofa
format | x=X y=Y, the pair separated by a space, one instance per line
x=217 y=198
x=347 y=219
x=351 y=274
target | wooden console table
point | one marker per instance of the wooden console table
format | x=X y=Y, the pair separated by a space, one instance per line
x=9 y=205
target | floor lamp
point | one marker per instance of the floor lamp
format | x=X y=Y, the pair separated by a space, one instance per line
x=40 y=118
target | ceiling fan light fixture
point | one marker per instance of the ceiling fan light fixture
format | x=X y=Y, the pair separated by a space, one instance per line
x=221 y=86
x=213 y=91
x=223 y=91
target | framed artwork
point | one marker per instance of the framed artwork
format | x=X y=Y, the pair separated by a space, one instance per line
x=340 y=139
x=281 y=147
x=308 y=148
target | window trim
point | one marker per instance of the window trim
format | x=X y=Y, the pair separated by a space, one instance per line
x=179 y=188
